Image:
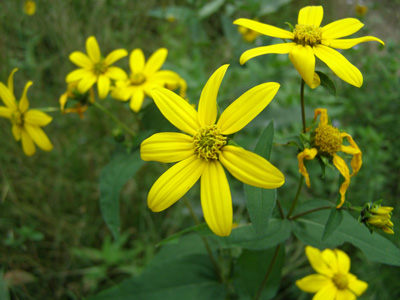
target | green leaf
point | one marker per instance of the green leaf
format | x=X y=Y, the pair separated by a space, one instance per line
x=327 y=83
x=250 y=271
x=309 y=229
x=209 y=8
x=334 y=220
x=4 y=294
x=122 y=167
x=201 y=229
x=261 y=202
x=179 y=271
x=244 y=236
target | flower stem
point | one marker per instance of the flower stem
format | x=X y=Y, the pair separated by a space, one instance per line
x=278 y=203
x=114 y=118
x=48 y=109
x=303 y=113
x=271 y=265
x=296 y=198
x=309 y=212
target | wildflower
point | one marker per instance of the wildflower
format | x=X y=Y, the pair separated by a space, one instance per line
x=375 y=216
x=333 y=280
x=308 y=40
x=361 y=9
x=80 y=101
x=95 y=68
x=204 y=149
x=327 y=141
x=247 y=34
x=30 y=7
x=144 y=77
x=25 y=123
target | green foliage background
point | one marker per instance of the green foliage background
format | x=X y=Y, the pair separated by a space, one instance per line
x=53 y=241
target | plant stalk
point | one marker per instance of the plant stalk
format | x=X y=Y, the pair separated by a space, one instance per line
x=303 y=112
x=296 y=198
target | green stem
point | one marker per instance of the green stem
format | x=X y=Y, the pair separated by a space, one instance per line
x=296 y=198
x=280 y=209
x=309 y=212
x=114 y=118
x=271 y=265
x=48 y=109
x=303 y=112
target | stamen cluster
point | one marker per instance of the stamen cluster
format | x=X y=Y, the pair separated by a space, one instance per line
x=340 y=280
x=100 y=67
x=137 y=79
x=307 y=35
x=327 y=139
x=17 y=118
x=208 y=142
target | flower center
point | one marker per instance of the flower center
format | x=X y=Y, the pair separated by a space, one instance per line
x=327 y=139
x=340 y=280
x=17 y=118
x=307 y=35
x=100 y=67
x=137 y=79
x=208 y=142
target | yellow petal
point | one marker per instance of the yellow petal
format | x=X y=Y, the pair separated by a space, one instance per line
x=37 y=117
x=313 y=283
x=356 y=161
x=136 y=100
x=39 y=137
x=323 y=113
x=103 y=86
x=303 y=59
x=78 y=74
x=311 y=15
x=208 y=99
x=175 y=182
x=115 y=55
x=216 y=200
x=265 y=28
x=339 y=65
x=155 y=61
x=251 y=168
x=5 y=112
x=306 y=154
x=244 y=109
x=343 y=261
x=316 y=81
x=349 y=43
x=387 y=230
x=340 y=164
x=81 y=60
x=116 y=73
x=278 y=49
x=86 y=83
x=16 y=131
x=330 y=259
x=23 y=102
x=341 y=28
x=345 y=295
x=328 y=292
x=136 y=61
x=92 y=49
x=10 y=82
x=167 y=147
x=317 y=262
x=178 y=111
x=7 y=97
x=27 y=143
x=164 y=77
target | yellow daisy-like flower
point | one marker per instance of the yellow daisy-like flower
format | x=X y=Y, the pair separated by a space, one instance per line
x=144 y=77
x=25 y=123
x=203 y=150
x=95 y=68
x=30 y=7
x=310 y=40
x=328 y=140
x=81 y=100
x=333 y=281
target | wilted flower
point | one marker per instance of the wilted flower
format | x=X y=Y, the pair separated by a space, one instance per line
x=73 y=101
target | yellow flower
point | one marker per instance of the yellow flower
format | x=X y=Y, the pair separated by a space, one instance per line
x=30 y=7
x=327 y=142
x=25 y=123
x=310 y=40
x=375 y=216
x=203 y=150
x=144 y=77
x=333 y=281
x=361 y=9
x=247 y=34
x=81 y=100
x=95 y=68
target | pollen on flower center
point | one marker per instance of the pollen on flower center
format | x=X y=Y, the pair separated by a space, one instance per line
x=100 y=67
x=340 y=280
x=327 y=139
x=137 y=79
x=208 y=142
x=17 y=118
x=307 y=35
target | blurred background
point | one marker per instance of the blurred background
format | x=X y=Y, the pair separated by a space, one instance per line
x=54 y=243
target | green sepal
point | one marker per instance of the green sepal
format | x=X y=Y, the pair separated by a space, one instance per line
x=290 y=26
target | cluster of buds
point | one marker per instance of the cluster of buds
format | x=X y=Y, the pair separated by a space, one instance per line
x=375 y=216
